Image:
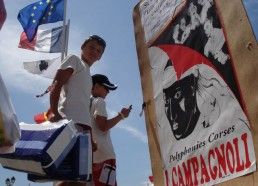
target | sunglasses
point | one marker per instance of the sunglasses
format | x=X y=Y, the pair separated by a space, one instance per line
x=105 y=88
x=99 y=39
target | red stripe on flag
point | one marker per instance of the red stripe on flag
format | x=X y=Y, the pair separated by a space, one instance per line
x=3 y=13
x=24 y=42
x=151 y=179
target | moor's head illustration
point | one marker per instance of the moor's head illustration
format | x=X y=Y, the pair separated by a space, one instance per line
x=181 y=106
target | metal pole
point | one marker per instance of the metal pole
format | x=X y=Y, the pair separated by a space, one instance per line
x=67 y=36
x=64 y=31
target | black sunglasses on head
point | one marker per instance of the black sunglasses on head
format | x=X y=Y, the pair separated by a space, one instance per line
x=99 y=39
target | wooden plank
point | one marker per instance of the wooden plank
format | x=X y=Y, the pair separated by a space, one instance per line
x=147 y=90
x=244 y=50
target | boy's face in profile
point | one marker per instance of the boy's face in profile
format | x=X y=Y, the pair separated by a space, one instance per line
x=100 y=91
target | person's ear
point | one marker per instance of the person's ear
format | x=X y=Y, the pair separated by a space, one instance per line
x=93 y=86
x=97 y=85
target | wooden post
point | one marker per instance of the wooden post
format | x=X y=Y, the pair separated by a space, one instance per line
x=147 y=88
x=244 y=50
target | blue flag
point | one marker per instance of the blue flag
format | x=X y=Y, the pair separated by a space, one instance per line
x=41 y=12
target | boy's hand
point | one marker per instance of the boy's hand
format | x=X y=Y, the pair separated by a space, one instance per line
x=126 y=111
x=55 y=118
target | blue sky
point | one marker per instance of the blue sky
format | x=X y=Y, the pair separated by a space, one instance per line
x=113 y=21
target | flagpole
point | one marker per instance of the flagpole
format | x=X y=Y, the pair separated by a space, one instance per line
x=64 y=40
x=64 y=32
x=67 y=36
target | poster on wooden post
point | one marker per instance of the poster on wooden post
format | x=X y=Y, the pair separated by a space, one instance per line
x=201 y=119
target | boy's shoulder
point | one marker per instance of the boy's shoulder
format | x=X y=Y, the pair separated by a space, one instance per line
x=72 y=56
x=98 y=101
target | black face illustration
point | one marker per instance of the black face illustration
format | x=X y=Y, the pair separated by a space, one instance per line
x=181 y=107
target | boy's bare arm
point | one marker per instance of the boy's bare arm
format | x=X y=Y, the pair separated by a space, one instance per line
x=105 y=124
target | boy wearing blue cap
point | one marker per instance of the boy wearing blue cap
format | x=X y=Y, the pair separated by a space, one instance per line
x=104 y=158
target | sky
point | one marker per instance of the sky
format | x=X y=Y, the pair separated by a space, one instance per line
x=113 y=21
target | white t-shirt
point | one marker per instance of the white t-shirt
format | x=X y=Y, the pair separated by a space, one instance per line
x=105 y=148
x=75 y=96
